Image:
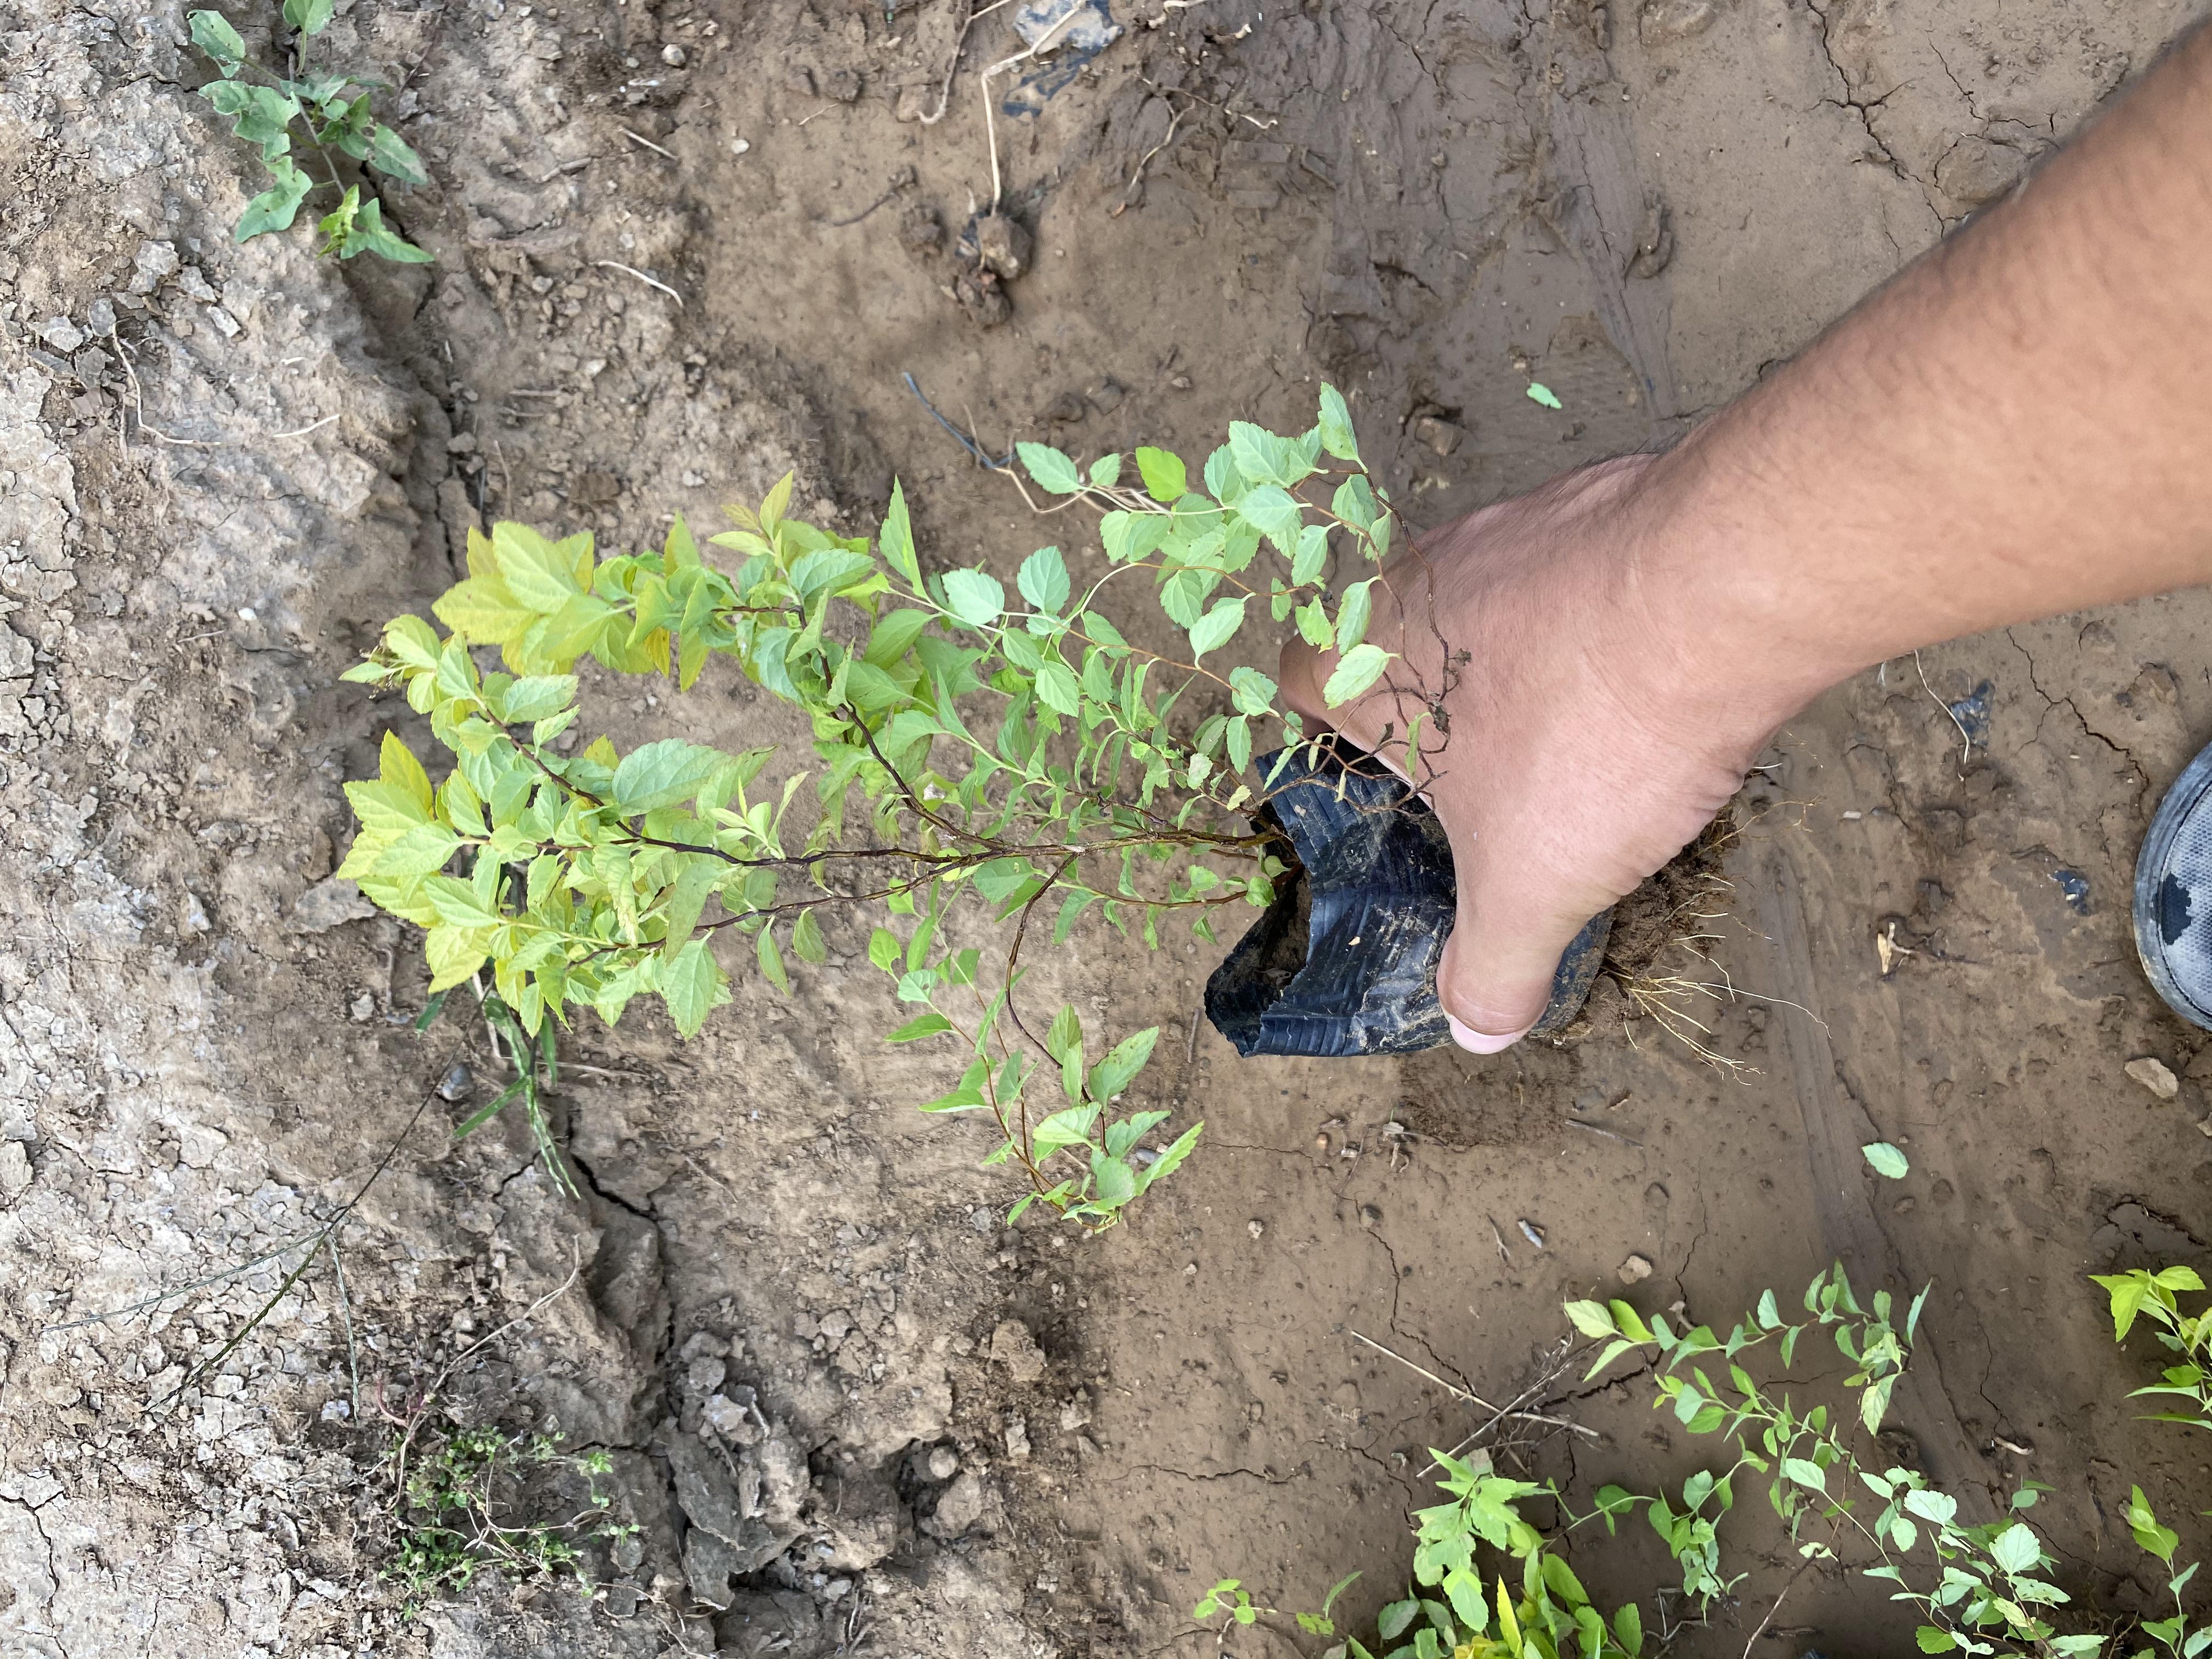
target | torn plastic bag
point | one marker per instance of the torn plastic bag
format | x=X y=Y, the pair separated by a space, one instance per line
x=1072 y=32
x=1344 y=962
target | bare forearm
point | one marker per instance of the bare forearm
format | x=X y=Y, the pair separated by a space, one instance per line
x=2019 y=424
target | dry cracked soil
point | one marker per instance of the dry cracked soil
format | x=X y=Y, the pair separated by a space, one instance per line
x=834 y=1403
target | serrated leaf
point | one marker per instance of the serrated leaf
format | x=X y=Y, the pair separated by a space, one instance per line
x=771 y=960
x=1056 y=688
x=1044 y=579
x=693 y=985
x=1336 y=434
x=1106 y=471
x=1216 y=627
x=665 y=774
x=1052 y=469
x=1275 y=513
x=975 y=597
x=1356 y=671
x=1163 y=471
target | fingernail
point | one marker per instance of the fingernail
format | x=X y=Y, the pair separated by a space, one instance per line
x=1481 y=1042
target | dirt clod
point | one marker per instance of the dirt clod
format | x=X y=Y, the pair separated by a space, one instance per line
x=1635 y=1270
x=2155 y=1075
x=1013 y=1347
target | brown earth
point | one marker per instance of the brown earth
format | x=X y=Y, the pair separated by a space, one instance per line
x=208 y=1049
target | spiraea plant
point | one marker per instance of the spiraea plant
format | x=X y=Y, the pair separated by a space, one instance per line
x=988 y=766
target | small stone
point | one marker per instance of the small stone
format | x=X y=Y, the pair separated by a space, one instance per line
x=799 y=79
x=672 y=55
x=943 y=1462
x=914 y=102
x=1002 y=244
x=704 y=1375
x=732 y=1419
x=1018 y=1437
x=63 y=335
x=99 y=316
x=225 y=323
x=959 y=1508
x=1440 y=436
x=461 y=443
x=363 y=1009
x=1255 y=1227
x=154 y=262
x=982 y=1221
x=1635 y=1270
x=1107 y=398
x=1067 y=409
x=740 y=146
x=330 y=903
x=1371 y=1215
x=2154 y=1075
x=842 y=85
x=1075 y=1414
x=1012 y=1346
x=457 y=1084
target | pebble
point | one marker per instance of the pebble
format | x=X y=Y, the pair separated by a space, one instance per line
x=2154 y=1075
x=63 y=335
x=1533 y=1233
x=1636 y=1270
x=944 y=1463
x=1255 y=1227
x=672 y=55
x=455 y=1086
x=1370 y=1216
x=363 y=1009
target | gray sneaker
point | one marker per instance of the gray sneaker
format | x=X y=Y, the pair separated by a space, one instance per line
x=2173 y=895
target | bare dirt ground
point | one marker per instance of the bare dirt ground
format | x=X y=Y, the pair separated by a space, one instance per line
x=222 y=467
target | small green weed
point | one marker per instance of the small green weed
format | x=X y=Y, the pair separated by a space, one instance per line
x=331 y=108
x=462 y=1504
x=2142 y=1293
x=1978 y=1589
x=1014 y=754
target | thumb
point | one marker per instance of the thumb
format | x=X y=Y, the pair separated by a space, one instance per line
x=1513 y=927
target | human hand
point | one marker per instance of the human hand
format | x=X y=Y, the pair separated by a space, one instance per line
x=1585 y=733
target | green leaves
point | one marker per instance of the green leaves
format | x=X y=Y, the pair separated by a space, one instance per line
x=1021 y=768
x=1216 y=627
x=212 y=33
x=2158 y=1541
x=335 y=110
x=692 y=983
x=665 y=773
x=276 y=208
x=1540 y=394
x=975 y=597
x=1886 y=1160
x=1052 y=469
x=1336 y=434
x=1163 y=472
x=1355 y=672
x=1043 y=580
x=390 y=155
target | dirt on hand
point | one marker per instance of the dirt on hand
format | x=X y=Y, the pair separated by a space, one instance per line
x=680 y=251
